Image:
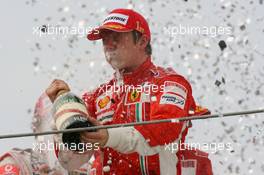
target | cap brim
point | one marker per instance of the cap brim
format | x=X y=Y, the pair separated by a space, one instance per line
x=95 y=33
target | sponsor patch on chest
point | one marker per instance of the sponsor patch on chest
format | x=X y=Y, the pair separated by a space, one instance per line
x=133 y=96
x=104 y=109
x=103 y=102
x=172 y=99
x=136 y=96
x=174 y=87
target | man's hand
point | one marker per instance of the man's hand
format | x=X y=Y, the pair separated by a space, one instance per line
x=55 y=87
x=100 y=136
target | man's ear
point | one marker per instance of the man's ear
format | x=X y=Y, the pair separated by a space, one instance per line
x=143 y=41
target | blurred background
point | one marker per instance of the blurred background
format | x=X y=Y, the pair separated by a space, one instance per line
x=225 y=68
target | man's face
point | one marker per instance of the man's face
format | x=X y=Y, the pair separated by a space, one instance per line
x=119 y=48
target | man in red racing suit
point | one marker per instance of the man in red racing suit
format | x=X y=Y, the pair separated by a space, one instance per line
x=145 y=149
x=139 y=91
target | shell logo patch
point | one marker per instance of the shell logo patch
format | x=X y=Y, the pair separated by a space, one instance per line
x=103 y=102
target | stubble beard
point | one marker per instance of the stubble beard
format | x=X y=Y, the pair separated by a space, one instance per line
x=113 y=59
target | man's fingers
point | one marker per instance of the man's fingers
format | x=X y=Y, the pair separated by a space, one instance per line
x=59 y=85
x=55 y=87
x=100 y=136
x=94 y=121
x=90 y=141
x=86 y=139
x=92 y=135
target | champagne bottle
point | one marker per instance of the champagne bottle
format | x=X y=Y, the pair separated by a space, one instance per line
x=69 y=112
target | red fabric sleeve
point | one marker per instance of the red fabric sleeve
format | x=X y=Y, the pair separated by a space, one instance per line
x=163 y=108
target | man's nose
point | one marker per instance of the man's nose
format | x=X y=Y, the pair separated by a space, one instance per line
x=109 y=42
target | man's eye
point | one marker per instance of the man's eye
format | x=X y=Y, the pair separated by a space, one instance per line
x=116 y=37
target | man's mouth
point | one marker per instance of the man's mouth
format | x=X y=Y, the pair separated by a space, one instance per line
x=110 y=55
